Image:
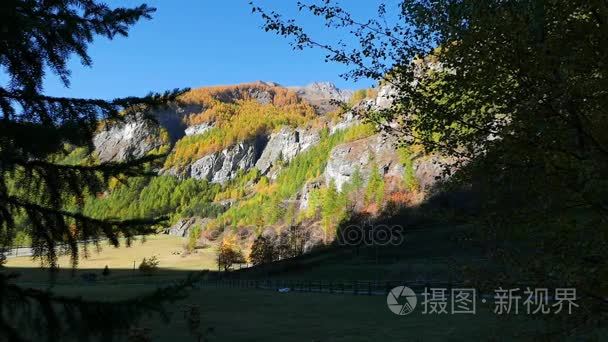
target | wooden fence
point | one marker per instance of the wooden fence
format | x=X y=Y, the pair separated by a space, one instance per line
x=362 y=287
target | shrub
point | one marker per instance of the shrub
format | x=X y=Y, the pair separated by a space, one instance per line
x=106 y=271
x=149 y=266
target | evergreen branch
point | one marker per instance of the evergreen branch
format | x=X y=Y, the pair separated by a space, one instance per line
x=13 y=200
x=111 y=167
x=83 y=317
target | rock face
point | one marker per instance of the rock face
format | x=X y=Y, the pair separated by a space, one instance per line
x=285 y=145
x=325 y=90
x=362 y=155
x=429 y=170
x=385 y=98
x=137 y=137
x=219 y=167
x=253 y=91
x=129 y=140
x=322 y=94
x=182 y=227
x=198 y=129
x=348 y=120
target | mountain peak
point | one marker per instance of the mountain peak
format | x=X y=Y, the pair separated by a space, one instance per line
x=320 y=93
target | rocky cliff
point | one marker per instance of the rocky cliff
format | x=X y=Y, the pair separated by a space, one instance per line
x=362 y=155
x=222 y=133
x=323 y=95
x=136 y=137
x=220 y=167
x=127 y=140
x=286 y=144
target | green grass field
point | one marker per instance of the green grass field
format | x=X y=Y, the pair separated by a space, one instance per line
x=246 y=314
x=260 y=315
x=122 y=261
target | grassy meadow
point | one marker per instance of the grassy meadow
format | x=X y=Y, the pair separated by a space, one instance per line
x=249 y=314
x=260 y=315
x=169 y=250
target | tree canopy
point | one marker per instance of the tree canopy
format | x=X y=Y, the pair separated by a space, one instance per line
x=37 y=38
x=513 y=91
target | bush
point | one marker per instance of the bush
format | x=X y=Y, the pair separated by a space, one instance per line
x=149 y=265
x=106 y=271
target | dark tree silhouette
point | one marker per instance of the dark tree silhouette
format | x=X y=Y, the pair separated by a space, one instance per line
x=514 y=92
x=263 y=251
x=38 y=37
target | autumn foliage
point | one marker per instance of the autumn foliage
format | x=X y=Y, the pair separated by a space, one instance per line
x=238 y=113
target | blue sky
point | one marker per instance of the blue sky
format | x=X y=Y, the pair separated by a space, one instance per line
x=196 y=43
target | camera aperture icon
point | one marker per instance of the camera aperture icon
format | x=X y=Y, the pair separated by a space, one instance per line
x=401 y=300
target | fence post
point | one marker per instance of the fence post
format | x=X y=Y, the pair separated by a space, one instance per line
x=355 y=288
x=369 y=288
x=331 y=288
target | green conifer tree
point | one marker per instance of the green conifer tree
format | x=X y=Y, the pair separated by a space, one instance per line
x=38 y=37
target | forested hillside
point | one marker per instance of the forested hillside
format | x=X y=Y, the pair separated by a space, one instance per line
x=257 y=159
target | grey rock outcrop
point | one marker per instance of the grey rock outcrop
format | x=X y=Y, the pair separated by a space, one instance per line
x=386 y=96
x=198 y=129
x=362 y=155
x=381 y=151
x=182 y=227
x=325 y=89
x=322 y=94
x=348 y=120
x=429 y=170
x=128 y=140
x=384 y=100
x=285 y=145
x=258 y=91
x=220 y=167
